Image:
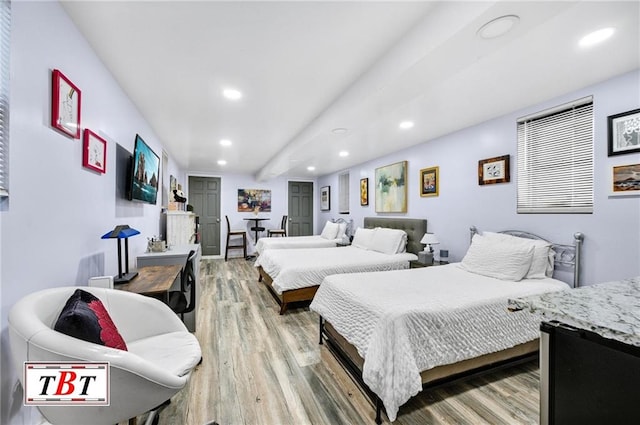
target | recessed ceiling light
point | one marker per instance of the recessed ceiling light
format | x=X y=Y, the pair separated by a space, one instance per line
x=232 y=94
x=343 y=153
x=222 y=162
x=596 y=37
x=406 y=125
x=339 y=130
x=311 y=168
x=225 y=142
x=498 y=26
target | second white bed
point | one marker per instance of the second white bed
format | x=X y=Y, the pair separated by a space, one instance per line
x=295 y=242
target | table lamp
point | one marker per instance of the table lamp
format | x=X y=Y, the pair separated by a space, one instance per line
x=122 y=232
x=426 y=256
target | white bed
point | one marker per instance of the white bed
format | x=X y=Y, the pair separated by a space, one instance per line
x=295 y=242
x=435 y=316
x=400 y=330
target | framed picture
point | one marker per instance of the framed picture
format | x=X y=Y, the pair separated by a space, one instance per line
x=94 y=152
x=65 y=105
x=625 y=180
x=391 y=188
x=254 y=200
x=429 y=181
x=624 y=132
x=325 y=198
x=494 y=170
x=364 y=191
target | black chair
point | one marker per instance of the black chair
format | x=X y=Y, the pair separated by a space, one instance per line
x=282 y=231
x=231 y=233
x=178 y=300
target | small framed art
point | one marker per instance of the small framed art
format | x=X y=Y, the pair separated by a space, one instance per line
x=624 y=132
x=625 y=180
x=429 y=181
x=364 y=191
x=325 y=198
x=94 y=152
x=65 y=105
x=494 y=170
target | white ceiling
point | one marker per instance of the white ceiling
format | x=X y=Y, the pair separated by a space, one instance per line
x=306 y=68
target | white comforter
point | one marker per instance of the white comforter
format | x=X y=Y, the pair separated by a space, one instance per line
x=301 y=268
x=289 y=242
x=404 y=322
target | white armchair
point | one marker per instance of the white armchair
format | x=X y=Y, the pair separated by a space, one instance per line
x=161 y=351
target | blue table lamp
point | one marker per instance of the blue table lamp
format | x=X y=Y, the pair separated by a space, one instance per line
x=122 y=232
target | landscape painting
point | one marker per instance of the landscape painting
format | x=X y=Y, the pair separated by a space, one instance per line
x=391 y=188
x=626 y=180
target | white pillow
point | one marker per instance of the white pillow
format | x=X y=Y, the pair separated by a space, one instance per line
x=388 y=241
x=362 y=238
x=342 y=228
x=540 y=263
x=497 y=259
x=330 y=230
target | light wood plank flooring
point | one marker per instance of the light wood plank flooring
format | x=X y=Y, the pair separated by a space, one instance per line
x=263 y=368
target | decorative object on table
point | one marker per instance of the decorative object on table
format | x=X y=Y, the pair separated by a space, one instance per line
x=156 y=245
x=122 y=232
x=444 y=256
x=250 y=199
x=625 y=180
x=426 y=256
x=94 y=152
x=391 y=188
x=364 y=191
x=430 y=181
x=65 y=105
x=494 y=170
x=624 y=132
x=325 y=198
x=178 y=196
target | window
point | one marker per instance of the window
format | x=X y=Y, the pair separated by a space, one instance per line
x=5 y=39
x=555 y=159
x=343 y=195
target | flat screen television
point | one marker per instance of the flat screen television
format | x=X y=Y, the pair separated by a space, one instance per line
x=145 y=172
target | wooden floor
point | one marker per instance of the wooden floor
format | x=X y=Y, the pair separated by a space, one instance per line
x=263 y=368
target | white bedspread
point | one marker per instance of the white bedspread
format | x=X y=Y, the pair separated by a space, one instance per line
x=290 y=242
x=301 y=268
x=404 y=322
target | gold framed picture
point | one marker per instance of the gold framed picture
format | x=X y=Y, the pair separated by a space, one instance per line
x=430 y=181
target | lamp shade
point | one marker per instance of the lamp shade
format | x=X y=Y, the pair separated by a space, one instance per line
x=429 y=239
x=121 y=232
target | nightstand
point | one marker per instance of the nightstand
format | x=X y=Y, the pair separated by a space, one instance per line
x=417 y=264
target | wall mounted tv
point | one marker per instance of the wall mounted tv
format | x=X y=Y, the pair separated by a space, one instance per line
x=145 y=173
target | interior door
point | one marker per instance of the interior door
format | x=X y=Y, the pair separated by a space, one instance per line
x=204 y=195
x=300 y=209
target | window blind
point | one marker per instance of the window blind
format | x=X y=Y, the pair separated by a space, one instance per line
x=5 y=47
x=555 y=160
x=343 y=196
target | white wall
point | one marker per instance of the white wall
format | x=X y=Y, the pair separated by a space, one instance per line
x=58 y=210
x=612 y=232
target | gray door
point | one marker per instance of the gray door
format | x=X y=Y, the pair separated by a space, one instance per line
x=300 y=209
x=204 y=195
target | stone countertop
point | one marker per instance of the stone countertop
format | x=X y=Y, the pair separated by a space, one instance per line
x=610 y=309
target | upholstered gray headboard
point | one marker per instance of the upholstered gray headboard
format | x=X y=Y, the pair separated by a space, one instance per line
x=415 y=228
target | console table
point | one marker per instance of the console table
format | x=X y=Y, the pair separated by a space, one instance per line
x=154 y=281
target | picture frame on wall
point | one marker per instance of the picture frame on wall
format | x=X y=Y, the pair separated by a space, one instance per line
x=494 y=170
x=364 y=191
x=94 y=152
x=625 y=180
x=325 y=198
x=624 y=133
x=430 y=181
x=391 y=188
x=66 y=103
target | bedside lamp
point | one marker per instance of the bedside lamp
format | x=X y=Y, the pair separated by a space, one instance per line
x=122 y=232
x=426 y=256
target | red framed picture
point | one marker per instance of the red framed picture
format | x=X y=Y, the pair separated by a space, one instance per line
x=94 y=152
x=65 y=105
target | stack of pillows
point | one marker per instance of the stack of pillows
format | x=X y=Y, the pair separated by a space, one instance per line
x=333 y=230
x=380 y=239
x=509 y=257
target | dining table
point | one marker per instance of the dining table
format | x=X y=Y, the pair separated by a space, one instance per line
x=256 y=227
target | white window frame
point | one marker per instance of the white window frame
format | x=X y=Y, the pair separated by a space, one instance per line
x=555 y=160
x=343 y=193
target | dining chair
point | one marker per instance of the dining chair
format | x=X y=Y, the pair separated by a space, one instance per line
x=230 y=234
x=282 y=231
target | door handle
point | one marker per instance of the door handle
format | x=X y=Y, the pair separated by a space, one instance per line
x=290 y=219
x=217 y=220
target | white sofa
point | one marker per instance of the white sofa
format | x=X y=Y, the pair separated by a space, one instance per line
x=161 y=351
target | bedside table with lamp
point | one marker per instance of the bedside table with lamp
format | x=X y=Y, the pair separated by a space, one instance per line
x=425 y=258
